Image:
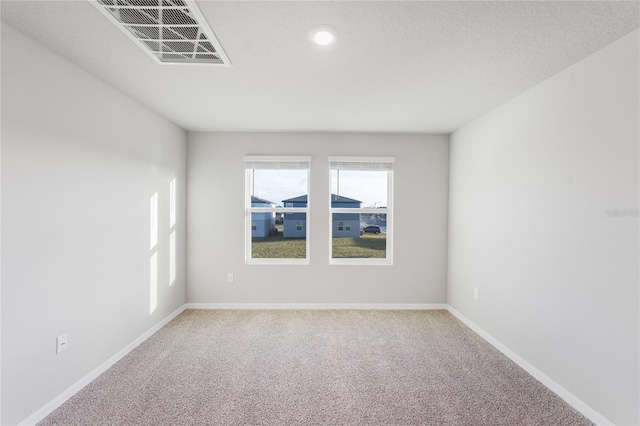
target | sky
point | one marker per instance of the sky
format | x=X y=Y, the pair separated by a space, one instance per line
x=370 y=187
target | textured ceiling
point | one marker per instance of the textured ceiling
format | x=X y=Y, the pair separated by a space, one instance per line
x=398 y=66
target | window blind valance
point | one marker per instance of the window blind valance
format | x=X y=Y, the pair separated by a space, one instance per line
x=277 y=162
x=362 y=163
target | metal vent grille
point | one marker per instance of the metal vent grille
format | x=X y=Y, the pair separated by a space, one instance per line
x=170 y=31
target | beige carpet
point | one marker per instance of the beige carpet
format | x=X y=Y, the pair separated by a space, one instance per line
x=243 y=367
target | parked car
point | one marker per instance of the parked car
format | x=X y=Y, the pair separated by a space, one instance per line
x=372 y=229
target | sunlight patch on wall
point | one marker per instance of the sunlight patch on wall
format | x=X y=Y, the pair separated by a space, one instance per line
x=153 y=282
x=172 y=230
x=153 y=261
x=153 y=221
x=172 y=203
x=172 y=258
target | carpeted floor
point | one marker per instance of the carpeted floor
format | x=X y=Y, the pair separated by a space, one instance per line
x=246 y=367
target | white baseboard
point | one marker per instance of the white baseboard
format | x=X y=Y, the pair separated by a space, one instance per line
x=317 y=306
x=77 y=386
x=563 y=393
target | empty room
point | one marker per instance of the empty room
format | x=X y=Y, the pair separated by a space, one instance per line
x=320 y=213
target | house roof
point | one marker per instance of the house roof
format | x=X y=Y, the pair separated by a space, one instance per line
x=334 y=198
x=300 y=199
x=258 y=200
x=341 y=199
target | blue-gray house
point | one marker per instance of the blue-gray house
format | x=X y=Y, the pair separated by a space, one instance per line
x=344 y=224
x=295 y=224
x=262 y=223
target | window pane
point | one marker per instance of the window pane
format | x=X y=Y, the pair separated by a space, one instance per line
x=357 y=239
x=279 y=188
x=277 y=234
x=287 y=241
x=369 y=188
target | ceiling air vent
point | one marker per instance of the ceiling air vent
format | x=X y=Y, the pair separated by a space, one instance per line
x=170 y=31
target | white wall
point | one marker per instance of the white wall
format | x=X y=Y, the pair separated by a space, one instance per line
x=216 y=222
x=531 y=183
x=80 y=162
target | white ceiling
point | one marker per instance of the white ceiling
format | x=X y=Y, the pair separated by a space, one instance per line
x=399 y=66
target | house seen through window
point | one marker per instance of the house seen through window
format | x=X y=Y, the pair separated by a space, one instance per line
x=361 y=210
x=277 y=209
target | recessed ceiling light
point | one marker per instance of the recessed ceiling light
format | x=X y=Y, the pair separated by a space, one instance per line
x=323 y=35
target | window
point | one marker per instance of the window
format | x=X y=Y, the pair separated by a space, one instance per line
x=276 y=234
x=344 y=226
x=361 y=207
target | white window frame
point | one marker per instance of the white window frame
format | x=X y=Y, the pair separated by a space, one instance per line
x=252 y=162
x=364 y=164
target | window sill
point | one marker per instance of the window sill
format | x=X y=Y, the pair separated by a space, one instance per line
x=277 y=262
x=361 y=262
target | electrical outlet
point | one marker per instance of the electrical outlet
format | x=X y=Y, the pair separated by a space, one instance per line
x=476 y=293
x=230 y=277
x=62 y=342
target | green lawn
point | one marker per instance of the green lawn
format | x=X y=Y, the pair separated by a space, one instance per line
x=278 y=248
x=367 y=246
